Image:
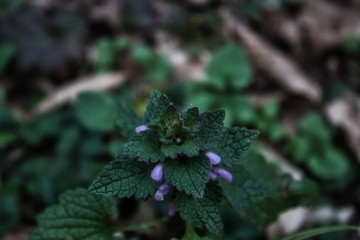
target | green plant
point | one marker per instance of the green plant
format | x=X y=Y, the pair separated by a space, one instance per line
x=229 y=74
x=189 y=161
x=313 y=147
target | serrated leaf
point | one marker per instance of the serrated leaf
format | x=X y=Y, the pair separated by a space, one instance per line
x=244 y=189
x=211 y=125
x=203 y=213
x=229 y=67
x=170 y=118
x=124 y=178
x=233 y=143
x=96 y=111
x=79 y=215
x=157 y=104
x=144 y=147
x=190 y=147
x=192 y=119
x=189 y=175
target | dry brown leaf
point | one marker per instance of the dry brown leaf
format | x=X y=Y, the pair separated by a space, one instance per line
x=345 y=113
x=271 y=61
x=320 y=26
x=68 y=93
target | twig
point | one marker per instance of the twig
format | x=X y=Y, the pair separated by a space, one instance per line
x=271 y=61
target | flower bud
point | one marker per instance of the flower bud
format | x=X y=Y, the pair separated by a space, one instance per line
x=212 y=175
x=214 y=158
x=171 y=209
x=157 y=173
x=165 y=187
x=159 y=196
x=141 y=128
x=224 y=174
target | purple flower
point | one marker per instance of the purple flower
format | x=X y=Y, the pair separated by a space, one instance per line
x=212 y=175
x=171 y=209
x=141 y=128
x=165 y=187
x=157 y=173
x=223 y=173
x=159 y=195
x=162 y=190
x=214 y=158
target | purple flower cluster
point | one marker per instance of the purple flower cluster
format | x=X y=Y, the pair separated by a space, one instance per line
x=158 y=175
x=217 y=171
x=164 y=187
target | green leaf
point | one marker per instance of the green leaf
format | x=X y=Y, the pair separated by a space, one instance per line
x=314 y=126
x=156 y=67
x=157 y=104
x=318 y=231
x=229 y=67
x=190 y=147
x=192 y=119
x=6 y=138
x=79 y=215
x=203 y=213
x=270 y=109
x=96 y=111
x=188 y=174
x=244 y=189
x=144 y=146
x=233 y=143
x=211 y=126
x=124 y=178
x=284 y=193
x=242 y=108
x=300 y=147
x=333 y=165
x=170 y=117
x=141 y=53
x=128 y=119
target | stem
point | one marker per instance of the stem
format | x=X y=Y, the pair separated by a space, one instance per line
x=141 y=226
x=319 y=231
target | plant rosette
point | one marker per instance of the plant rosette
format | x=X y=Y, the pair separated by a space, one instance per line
x=181 y=151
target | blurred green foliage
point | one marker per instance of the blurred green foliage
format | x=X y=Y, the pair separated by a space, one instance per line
x=57 y=151
x=229 y=74
x=96 y=111
x=66 y=148
x=7 y=51
x=156 y=67
x=313 y=147
x=110 y=52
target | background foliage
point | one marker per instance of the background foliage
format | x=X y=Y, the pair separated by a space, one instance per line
x=183 y=49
